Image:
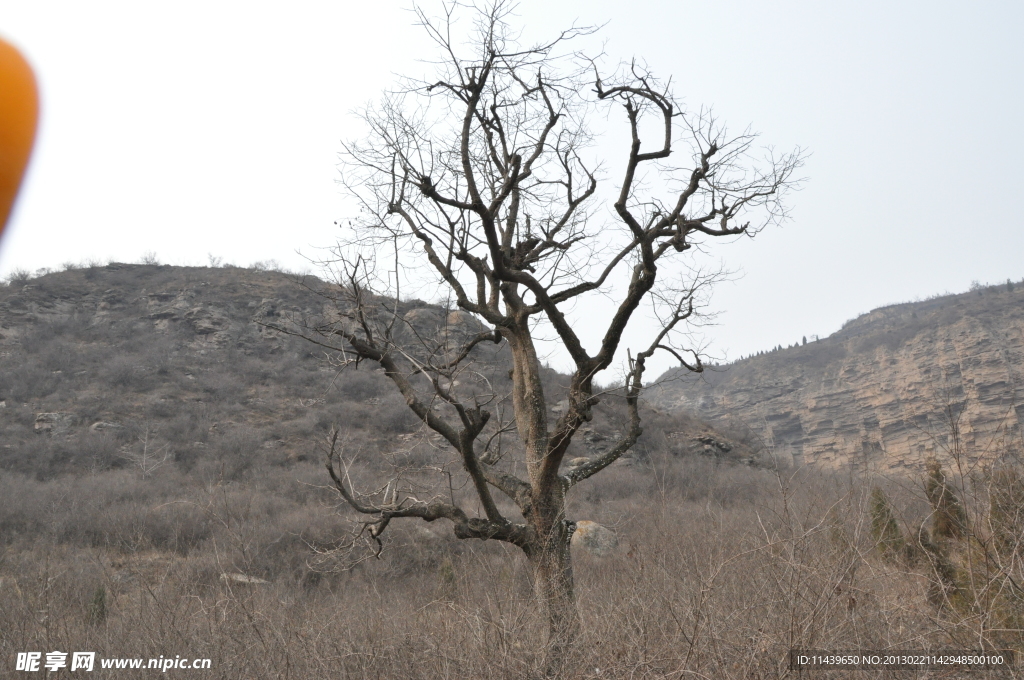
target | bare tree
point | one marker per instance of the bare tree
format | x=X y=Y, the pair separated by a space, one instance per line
x=150 y=458
x=486 y=175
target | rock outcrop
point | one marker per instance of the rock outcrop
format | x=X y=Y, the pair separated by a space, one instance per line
x=54 y=423
x=886 y=392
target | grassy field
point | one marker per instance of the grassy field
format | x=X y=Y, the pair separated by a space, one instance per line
x=721 y=571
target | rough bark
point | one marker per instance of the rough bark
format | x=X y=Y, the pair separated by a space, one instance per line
x=553 y=586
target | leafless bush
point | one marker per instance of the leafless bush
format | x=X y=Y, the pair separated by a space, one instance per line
x=18 y=277
x=699 y=588
x=29 y=381
x=124 y=372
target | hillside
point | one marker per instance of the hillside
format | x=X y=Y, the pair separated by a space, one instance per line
x=102 y=365
x=882 y=392
x=164 y=496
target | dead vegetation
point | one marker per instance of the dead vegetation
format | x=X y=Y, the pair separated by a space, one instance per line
x=224 y=549
x=714 y=579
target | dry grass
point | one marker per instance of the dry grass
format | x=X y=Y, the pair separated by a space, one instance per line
x=713 y=584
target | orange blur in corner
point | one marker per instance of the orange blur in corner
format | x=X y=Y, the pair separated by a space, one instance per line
x=19 y=111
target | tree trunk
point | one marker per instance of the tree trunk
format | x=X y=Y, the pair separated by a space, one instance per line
x=549 y=554
x=553 y=584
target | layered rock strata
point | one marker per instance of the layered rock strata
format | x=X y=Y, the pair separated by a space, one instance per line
x=891 y=389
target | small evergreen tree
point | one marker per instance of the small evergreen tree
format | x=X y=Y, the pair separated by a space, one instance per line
x=949 y=520
x=446 y=580
x=1006 y=510
x=943 y=578
x=884 y=528
x=97 y=613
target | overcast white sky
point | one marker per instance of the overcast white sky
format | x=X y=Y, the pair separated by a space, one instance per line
x=190 y=128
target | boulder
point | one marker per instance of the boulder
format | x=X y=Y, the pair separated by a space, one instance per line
x=595 y=539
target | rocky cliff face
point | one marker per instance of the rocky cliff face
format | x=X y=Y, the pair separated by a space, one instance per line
x=888 y=391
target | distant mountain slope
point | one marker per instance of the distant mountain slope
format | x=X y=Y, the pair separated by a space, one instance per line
x=101 y=366
x=880 y=392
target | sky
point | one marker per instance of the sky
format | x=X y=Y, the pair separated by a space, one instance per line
x=199 y=130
